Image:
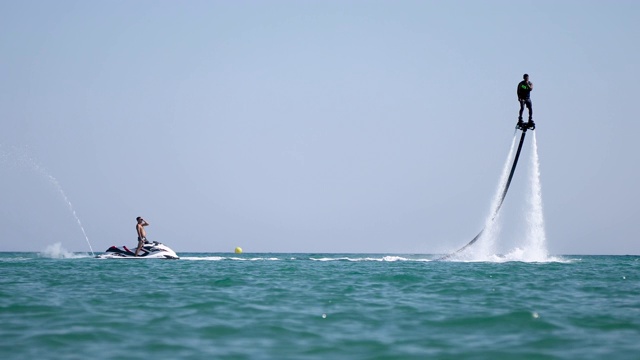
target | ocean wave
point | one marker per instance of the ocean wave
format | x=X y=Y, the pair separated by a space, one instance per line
x=386 y=258
x=221 y=258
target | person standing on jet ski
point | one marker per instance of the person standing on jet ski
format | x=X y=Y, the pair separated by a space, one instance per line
x=142 y=234
x=524 y=90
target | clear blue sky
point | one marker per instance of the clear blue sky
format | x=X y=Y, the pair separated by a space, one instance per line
x=314 y=126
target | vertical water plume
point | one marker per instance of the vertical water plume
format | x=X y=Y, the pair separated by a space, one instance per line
x=536 y=243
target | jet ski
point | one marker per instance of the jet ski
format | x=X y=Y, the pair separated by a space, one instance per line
x=150 y=250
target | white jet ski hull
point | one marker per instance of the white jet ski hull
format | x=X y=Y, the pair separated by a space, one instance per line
x=150 y=250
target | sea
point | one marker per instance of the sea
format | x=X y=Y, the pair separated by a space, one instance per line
x=62 y=305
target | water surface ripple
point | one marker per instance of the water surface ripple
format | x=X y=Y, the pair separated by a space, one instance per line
x=318 y=306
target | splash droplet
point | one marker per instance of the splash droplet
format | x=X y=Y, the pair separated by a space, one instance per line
x=535 y=315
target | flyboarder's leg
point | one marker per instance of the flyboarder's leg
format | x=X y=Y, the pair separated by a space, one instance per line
x=521 y=109
x=530 y=124
x=520 y=124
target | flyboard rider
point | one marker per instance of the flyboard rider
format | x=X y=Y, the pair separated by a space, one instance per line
x=524 y=98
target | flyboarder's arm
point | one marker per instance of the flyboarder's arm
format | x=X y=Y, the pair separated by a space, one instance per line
x=530 y=86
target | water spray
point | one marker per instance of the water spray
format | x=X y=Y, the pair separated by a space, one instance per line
x=39 y=169
x=536 y=238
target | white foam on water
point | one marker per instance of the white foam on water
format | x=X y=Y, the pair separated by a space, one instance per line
x=204 y=258
x=253 y=259
x=331 y=259
x=524 y=255
x=222 y=258
x=517 y=254
x=15 y=259
x=385 y=258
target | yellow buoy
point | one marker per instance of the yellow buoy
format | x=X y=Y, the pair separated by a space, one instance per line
x=238 y=250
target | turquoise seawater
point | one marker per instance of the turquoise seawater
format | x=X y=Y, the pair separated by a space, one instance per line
x=318 y=306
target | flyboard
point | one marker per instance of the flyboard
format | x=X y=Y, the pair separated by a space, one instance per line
x=520 y=126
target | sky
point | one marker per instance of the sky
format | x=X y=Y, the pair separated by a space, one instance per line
x=314 y=126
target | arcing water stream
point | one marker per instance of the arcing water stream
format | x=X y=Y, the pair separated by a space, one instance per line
x=25 y=160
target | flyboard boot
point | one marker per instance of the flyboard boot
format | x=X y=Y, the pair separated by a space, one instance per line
x=531 y=125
